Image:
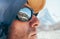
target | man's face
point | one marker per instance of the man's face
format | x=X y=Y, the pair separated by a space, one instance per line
x=23 y=30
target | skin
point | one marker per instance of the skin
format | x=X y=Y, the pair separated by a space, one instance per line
x=26 y=30
x=23 y=30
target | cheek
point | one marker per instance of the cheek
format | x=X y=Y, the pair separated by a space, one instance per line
x=23 y=28
x=20 y=28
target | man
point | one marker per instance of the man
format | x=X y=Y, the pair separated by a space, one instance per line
x=24 y=26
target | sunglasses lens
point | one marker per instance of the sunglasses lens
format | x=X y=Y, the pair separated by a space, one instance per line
x=24 y=14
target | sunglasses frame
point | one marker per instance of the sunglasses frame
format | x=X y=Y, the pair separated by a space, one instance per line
x=31 y=13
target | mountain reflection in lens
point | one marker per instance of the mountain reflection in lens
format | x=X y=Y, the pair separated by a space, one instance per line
x=24 y=14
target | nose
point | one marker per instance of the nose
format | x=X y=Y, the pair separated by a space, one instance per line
x=34 y=22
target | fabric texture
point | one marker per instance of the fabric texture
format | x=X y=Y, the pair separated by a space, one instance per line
x=9 y=9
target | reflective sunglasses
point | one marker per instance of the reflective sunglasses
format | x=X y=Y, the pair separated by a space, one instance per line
x=25 y=14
